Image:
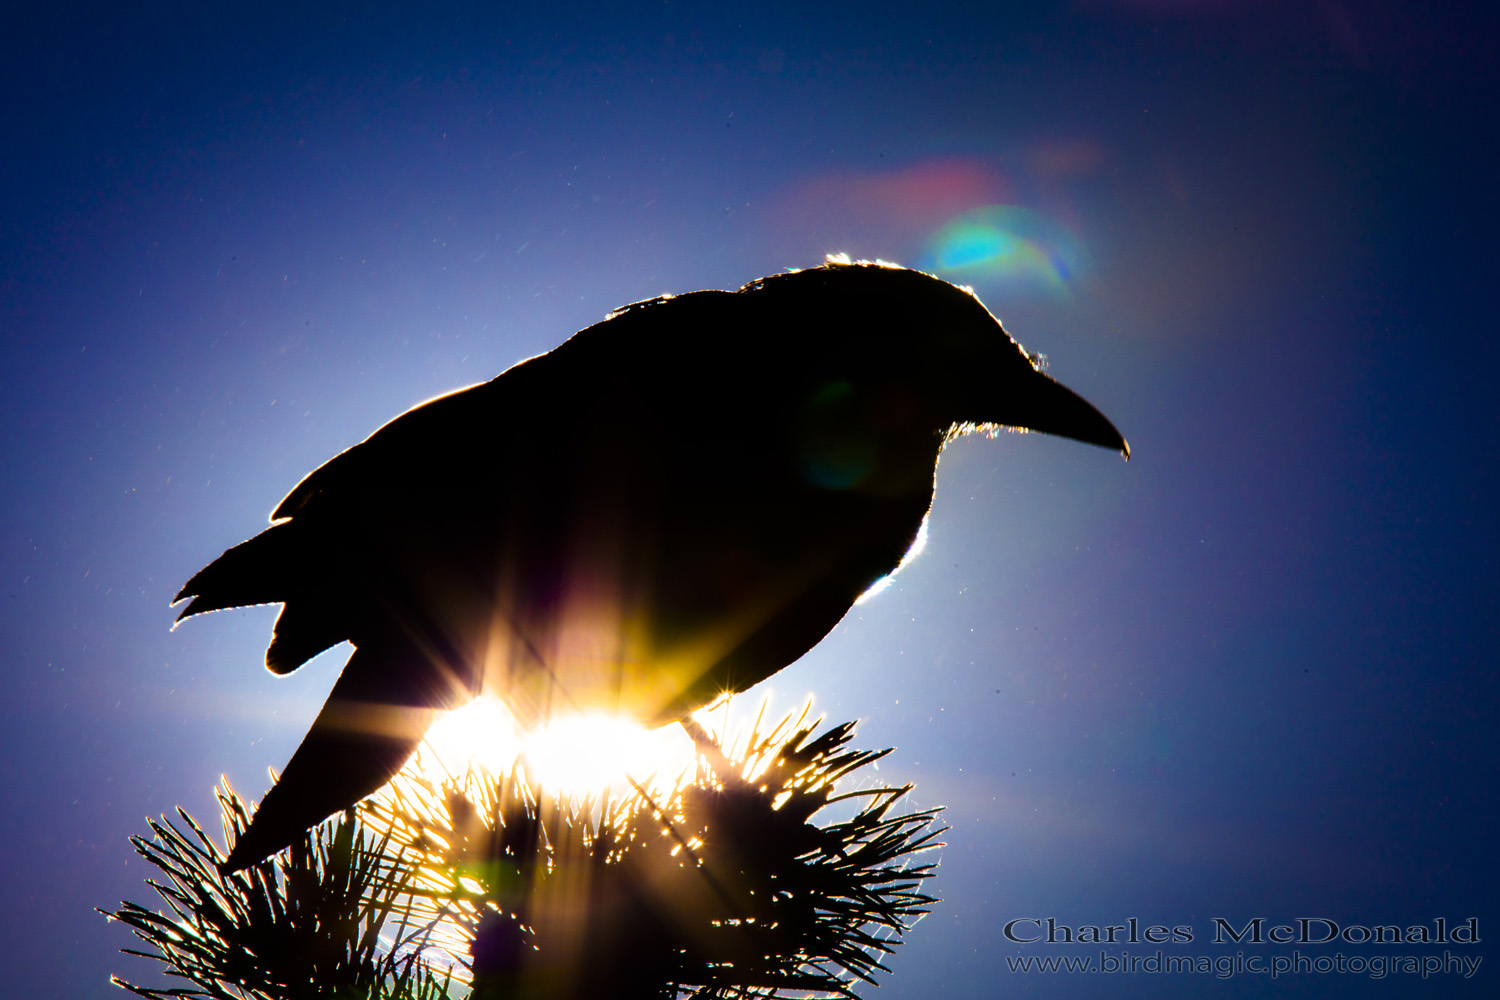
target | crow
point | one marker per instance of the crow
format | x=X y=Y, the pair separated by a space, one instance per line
x=675 y=503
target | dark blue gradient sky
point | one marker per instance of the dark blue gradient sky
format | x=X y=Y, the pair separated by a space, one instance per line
x=1249 y=673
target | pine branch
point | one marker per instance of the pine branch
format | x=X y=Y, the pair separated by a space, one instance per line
x=306 y=924
x=722 y=887
x=719 y=886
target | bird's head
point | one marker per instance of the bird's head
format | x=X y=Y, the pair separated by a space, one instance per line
x=960 y=370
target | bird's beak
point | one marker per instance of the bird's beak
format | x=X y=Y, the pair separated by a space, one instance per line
x=1046 y=405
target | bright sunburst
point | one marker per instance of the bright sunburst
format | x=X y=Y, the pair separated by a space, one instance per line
x=594 y=751
x=482 y=733
x=573 y=755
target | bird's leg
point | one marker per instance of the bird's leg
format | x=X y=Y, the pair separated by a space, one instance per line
x=710 y=749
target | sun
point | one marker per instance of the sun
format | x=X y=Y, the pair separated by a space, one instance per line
x=576 y=754
x=595 y=751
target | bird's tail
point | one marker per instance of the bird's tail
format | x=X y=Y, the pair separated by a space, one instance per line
x=253 y=572
x=276 y=566
x=373 y=720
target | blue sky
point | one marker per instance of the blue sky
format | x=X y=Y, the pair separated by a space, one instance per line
x=1248 y=673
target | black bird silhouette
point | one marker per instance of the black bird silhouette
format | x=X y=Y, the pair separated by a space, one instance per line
x=676 y=502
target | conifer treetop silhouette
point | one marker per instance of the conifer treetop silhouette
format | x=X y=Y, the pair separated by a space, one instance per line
x=675 y=503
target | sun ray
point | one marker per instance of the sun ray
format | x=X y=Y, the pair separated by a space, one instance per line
x=482 y=734
x=578 y=754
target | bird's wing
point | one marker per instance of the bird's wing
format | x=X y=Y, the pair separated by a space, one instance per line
x=386 y=697
x=422 y=436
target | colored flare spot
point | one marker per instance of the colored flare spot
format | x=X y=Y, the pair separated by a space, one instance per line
x=1008 y=244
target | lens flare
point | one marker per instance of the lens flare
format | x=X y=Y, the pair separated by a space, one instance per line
x=592 y=752
x=483 y=734
x=1007 y=244
x=572 y=754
